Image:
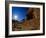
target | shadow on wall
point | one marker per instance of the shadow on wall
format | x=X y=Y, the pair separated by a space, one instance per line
x=13 y=37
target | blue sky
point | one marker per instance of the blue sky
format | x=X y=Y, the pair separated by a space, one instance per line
x=19 y=13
